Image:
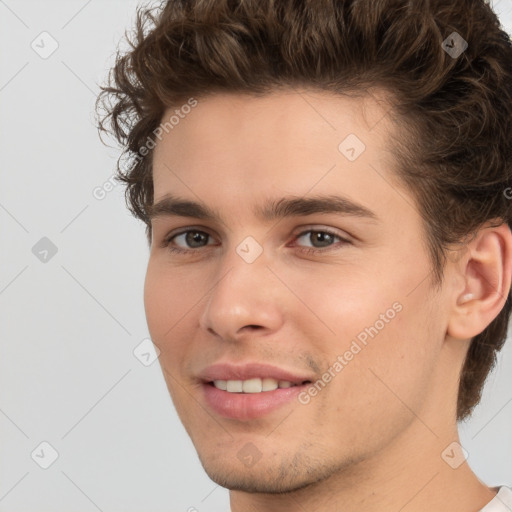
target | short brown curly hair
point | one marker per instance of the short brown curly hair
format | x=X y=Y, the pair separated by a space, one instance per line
x=452 y=102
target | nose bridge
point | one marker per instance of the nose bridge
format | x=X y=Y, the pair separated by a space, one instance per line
x=242 y=295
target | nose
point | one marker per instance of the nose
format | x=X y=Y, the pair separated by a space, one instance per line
x=246 y=299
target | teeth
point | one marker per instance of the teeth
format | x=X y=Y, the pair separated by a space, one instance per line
x=235 y=386
x=255 y=385
x=252 y=386
x=269 y=384
x=221 y=384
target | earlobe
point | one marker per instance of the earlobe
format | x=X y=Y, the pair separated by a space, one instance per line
x=486 y=269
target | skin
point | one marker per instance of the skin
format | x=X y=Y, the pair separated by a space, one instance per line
x=372 y=438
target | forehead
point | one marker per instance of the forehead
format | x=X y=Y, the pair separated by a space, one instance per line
x=278 y=122
x=246 y=148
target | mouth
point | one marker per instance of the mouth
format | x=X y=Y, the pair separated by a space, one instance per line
x=250 y=391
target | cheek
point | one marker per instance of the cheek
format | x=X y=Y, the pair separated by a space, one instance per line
x=396 y=369
x=167 y=320
x=167 y=301
x=169 y=296
x=371 y=398
x=381 y=330
x=158 y=303
x=339 y=301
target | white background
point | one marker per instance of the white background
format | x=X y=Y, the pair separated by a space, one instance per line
x=68 y=375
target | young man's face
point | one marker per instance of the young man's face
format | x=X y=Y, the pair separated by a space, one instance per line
x=246 y=300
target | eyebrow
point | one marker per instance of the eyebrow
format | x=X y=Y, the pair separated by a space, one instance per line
x=271 y=210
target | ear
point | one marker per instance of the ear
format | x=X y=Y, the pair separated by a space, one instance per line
x=486 y=269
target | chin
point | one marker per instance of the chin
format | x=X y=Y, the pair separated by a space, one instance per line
x=278 y=476
x=264 y=481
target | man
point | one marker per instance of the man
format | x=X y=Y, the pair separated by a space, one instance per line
x=324 y=186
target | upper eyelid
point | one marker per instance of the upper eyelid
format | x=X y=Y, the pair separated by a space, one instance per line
x=303 y=230
x=185 y=229
x=330 y=231
x=207 y=229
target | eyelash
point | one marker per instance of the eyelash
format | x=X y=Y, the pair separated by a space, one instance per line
x=307 y=250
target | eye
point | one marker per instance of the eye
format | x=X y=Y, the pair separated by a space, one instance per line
x=187 y=240
x=316 y=240
x=310 y=241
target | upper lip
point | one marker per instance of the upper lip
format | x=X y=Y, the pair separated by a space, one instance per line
x=230 y=371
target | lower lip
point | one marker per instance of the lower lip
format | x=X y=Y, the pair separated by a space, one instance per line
x=248 y=406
